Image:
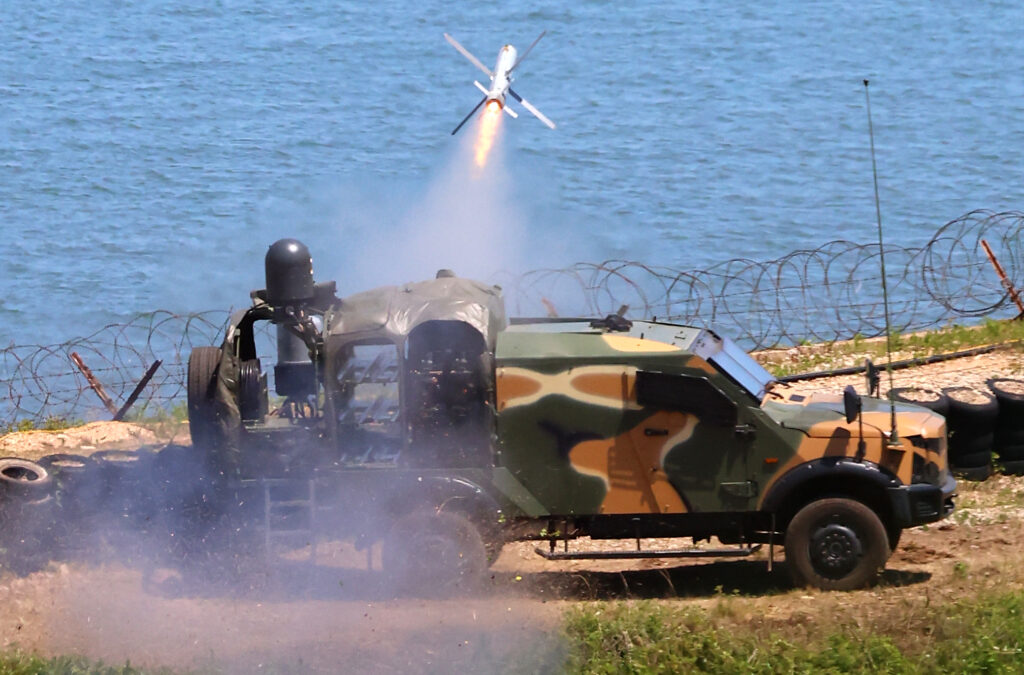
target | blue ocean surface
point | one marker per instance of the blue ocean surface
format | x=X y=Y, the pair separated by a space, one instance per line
x=150 y=152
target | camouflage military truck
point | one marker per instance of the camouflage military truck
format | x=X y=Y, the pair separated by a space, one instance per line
x=420 y=417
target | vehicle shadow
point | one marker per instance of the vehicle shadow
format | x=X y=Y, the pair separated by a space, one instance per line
x=734 y=577
x=294 y=581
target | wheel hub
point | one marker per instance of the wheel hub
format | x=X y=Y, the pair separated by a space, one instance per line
x=835 y=550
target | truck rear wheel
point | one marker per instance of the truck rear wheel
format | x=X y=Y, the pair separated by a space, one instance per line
x=836 y=544
x=429 y=553
x=202 y=388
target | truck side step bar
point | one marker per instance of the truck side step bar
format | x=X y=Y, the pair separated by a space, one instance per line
x=739 y=552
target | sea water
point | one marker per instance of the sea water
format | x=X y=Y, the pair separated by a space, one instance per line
x=150 y=152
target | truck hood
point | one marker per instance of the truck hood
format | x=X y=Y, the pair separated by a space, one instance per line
x=820 y=415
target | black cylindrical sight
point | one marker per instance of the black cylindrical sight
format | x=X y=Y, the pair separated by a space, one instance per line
x=289 y=269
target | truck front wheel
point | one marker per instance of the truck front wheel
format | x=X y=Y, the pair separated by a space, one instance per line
x=836 y=544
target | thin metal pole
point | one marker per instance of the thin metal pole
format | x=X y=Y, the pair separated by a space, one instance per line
x=881 y=257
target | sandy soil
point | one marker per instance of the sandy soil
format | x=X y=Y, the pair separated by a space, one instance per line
x=333 y=618
x=336 y=616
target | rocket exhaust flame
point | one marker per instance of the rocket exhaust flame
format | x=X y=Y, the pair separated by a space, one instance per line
x=489 y=121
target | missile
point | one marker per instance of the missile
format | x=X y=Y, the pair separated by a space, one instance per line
x=501 y=81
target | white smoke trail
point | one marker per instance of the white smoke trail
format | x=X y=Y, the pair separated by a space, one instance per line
x=465 y=220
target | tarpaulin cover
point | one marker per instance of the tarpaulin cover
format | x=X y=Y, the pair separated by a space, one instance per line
x=392 y=312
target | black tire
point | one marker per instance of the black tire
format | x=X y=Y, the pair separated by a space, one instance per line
x=1010 y=453
x=202 y=388
x=1008 y=392
x=1004 y=437
x=934 y=400
x=428 y=553
x=66 y=467
x=970 y=445
x=972 y=460
x=125 y=465
x=968 y=415
x=973 y=473
x=250 y=391
x=24 y=480
x=970 y=425
x=836 y=544
x=1013 y=467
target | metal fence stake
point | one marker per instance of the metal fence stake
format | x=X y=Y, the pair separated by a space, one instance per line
x=94 y=383
x=119 y=415
x=1007 y=284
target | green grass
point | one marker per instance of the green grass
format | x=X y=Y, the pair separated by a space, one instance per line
x=153 y=416
x=945 y=340
x=984 y=634
x=16 y=662
x=49 y=424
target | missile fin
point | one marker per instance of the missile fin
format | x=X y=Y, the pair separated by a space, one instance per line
x=465 y=52
x=529 y=106
x=523 y=55
x=471 y=113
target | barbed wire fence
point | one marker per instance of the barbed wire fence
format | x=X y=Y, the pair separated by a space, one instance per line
x=825 y=294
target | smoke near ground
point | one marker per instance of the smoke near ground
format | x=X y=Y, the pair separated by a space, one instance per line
x=150 y=556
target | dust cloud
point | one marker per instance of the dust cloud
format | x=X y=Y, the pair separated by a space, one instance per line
x=152 y=556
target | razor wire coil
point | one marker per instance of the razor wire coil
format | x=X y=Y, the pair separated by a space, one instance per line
x=824 y=294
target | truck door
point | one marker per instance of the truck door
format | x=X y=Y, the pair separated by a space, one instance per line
x=702 y=437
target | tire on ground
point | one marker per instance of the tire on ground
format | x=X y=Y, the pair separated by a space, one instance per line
x=974 y=473
x=126 y=479
x=1007 y=438
x=76 y=483
x=1011 y=453
x=934 y=400
x=836 y=544
x=973 y=460
x=1009 y=428
x=970 y=422
x=431 y=554
x=202 y=387
x=24 y=480
x=1014 y=467
x=1010 y=394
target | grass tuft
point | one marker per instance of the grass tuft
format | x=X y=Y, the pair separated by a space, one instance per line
x=17 y=662
x=983 y=634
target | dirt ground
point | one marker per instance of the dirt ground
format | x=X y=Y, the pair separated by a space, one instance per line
x=336 y=616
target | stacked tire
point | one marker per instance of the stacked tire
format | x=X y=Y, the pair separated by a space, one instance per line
x=77 y=497
x=26 y=520
x=125 y=478
x=935 y=401
x=970 y=427
x=1008 y=440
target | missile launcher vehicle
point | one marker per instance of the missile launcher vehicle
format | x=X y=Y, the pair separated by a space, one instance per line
x=421 y=418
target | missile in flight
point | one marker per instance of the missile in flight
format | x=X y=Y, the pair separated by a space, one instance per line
x=501 y=81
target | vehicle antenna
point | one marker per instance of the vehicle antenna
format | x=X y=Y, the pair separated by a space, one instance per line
x=881 y=257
